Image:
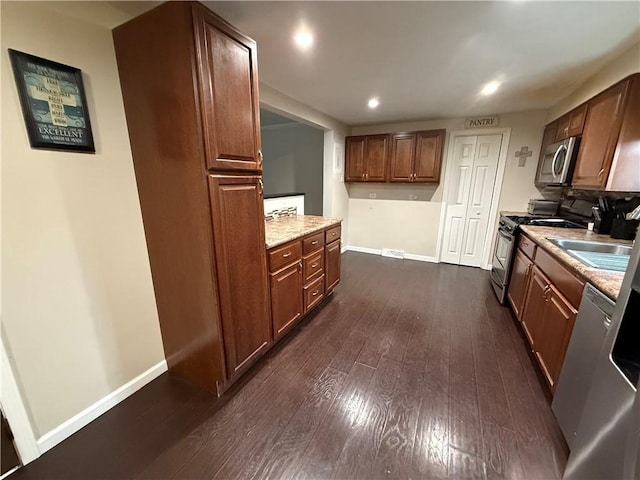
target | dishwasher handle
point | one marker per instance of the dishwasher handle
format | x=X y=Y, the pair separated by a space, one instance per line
x=600 y=300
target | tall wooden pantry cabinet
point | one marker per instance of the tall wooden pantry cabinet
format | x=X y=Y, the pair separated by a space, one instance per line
x=190 y=87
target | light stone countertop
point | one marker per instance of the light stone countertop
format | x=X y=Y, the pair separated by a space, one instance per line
x=284 y=229
x=606 y=281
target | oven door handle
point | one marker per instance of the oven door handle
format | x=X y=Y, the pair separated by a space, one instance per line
x=503 y=234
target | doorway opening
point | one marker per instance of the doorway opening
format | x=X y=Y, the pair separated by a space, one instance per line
x=293 y=163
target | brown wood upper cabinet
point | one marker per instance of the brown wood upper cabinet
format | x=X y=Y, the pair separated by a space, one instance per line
x=608 y=156
x=600 y=135
x=228 y=86
x=366 y=158
x=401 y=157
x=416 y=157
x=571 y=124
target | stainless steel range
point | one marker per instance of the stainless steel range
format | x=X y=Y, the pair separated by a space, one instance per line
x=506 y=241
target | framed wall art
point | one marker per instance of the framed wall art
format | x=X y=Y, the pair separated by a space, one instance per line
x=53 y=103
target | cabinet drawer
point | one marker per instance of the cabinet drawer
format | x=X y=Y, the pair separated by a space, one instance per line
x=313 y=265
x=566 y=282
x=313 y=293
x=284 y=255
x=527 y=246
x=332 y=234
x=312 y=242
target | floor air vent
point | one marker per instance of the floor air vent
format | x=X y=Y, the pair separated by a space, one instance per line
x=387 y=252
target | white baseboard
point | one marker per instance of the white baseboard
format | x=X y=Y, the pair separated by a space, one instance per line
x=75 y=423
x=15 y=412
x=420 y=258
x=374 y=251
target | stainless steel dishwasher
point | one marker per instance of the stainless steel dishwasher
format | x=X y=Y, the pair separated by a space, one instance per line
x=589 y=332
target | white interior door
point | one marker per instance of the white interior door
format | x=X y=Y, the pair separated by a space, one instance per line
x=475 y=164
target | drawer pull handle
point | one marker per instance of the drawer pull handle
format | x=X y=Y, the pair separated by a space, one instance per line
x=288 y=254
x=333 y=234
x=315 y=242
x=315 y=293
x=314 y=265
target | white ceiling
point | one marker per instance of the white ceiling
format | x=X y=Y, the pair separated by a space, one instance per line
x=427 y=60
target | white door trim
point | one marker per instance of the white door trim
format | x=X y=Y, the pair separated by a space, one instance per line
x=16 y=412
x=497 y=189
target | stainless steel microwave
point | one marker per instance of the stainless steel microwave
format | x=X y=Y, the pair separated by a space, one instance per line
x=557 y=162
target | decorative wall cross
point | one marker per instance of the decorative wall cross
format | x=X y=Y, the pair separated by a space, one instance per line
x=523 y=154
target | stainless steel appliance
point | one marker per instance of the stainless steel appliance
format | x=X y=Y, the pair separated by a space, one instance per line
x=589 y=332
x=606 y=442
x=557 y=162
x=505 y=246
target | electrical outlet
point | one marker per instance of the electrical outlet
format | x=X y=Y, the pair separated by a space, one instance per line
x=413 y=197
x=373 y=195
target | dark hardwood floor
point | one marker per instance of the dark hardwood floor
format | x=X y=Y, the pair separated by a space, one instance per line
x=411 y=370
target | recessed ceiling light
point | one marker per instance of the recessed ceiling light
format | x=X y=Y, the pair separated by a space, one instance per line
x=303 y=39
x=490 y=88
x=373 y=103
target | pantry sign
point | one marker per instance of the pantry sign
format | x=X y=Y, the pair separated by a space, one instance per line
x=486 y=121
x=53 y=102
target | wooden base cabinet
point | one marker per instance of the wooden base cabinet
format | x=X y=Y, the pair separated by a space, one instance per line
x=519 y=283
x=555 y=330
x=547 y=320
x=302 y=273
x=286 y=298
x=332 y=265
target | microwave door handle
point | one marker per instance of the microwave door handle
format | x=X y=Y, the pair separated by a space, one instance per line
x=555 y=158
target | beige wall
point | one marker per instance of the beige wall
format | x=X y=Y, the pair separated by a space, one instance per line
x=624 y=65
x=79 y=315
x=415 y=222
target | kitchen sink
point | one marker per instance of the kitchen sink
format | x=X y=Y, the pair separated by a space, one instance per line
x=601 y=255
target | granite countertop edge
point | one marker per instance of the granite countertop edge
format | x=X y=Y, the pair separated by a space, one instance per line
x=285 y=229
x=608 y=282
